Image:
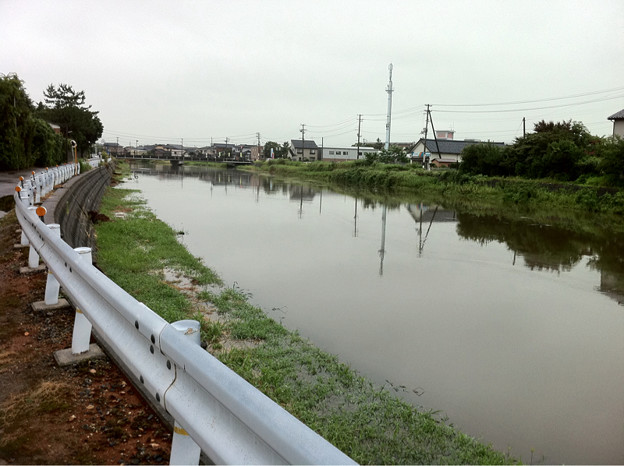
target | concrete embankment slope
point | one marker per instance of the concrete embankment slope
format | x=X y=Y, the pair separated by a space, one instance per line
x=74 y=204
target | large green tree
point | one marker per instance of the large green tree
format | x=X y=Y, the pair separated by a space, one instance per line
x=562 y=151
x=66 y=107
x=25 y=139
x=15 y=111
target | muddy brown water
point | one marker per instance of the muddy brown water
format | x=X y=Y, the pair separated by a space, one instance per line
x=514 y=331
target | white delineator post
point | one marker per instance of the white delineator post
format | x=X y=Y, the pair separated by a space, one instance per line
x=82 y=326
x=52 y=285
x=184 y=450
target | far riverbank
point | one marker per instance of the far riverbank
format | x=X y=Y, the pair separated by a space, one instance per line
x=578 y=207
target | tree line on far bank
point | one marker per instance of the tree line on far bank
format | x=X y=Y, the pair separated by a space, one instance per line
x=26 y=137
x=563 y=151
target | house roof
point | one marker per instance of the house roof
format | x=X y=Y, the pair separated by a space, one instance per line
x=448 y=146
x=617 y=116
x=308 y=144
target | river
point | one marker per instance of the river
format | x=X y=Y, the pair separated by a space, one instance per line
x=514 y=331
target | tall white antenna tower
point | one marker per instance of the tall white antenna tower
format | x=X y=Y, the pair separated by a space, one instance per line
x=389 y=90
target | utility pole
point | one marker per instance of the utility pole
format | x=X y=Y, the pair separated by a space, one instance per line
x=357 y=156
x=523 y=126
x=389 y=90
x=258 y=136
x=302 y=140
x=425 y=163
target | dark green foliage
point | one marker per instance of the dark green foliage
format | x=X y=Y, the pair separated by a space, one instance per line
x=279 y=151
x=67 y=108
x=15 y=112
x=394 y=154
x=484 y=159
x=47 y=147
x=612 y=161
x=26 y=138
x=562 y=151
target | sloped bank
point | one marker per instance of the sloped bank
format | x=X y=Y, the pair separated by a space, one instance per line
x=141 y=254
x=76 y=208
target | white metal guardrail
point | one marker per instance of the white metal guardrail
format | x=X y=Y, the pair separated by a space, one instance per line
x=225 y=416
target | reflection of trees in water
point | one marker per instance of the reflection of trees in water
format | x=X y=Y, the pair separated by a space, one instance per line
x=609 y=260
x=542 y=246
x=552 y=248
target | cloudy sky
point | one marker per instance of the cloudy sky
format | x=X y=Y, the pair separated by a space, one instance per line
x=202 y=71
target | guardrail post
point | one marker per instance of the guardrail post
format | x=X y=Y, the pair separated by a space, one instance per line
x=184 y=450
x=52 y=285
x=33 y=256
x=82 y=326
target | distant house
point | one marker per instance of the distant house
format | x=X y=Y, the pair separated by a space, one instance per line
x=56 y=128
x=444 y=152
x=113 y=148
x=207 y=151
x=169 y=150
x=340 y=154
x=618 y=123
x=304 y=150
x=223 y=150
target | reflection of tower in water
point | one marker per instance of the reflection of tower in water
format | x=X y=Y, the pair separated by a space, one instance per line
x=382 y=250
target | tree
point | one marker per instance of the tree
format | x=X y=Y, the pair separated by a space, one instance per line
x=280 y=151
x=67 y=108
x=612 y=160
x=15 y=110
x=553 y=150
x=394 y=154
x=25 y=139
x=483 y=159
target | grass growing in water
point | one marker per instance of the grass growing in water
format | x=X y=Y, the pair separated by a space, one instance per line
x=365 y=421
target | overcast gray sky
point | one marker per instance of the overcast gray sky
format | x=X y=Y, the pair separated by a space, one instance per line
x=162 y=71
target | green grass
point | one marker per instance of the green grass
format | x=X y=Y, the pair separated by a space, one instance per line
x=136 y=250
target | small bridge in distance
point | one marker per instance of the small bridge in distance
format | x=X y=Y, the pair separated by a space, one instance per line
x=231 y=162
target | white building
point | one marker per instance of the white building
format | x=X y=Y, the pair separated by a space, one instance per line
x=618 y=123
x=341 y=154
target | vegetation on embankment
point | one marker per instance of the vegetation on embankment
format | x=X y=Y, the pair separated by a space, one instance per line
x=566 y=204
x=365 y=421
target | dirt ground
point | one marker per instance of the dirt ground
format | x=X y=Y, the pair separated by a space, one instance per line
x=84 y=414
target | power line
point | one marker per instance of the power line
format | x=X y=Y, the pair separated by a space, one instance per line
x=532 y=108
x=519 y=102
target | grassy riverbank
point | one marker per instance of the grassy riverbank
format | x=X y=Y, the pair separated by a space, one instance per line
x=367 y=422
x=578 y=207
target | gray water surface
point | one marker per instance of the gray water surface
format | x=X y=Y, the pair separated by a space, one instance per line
x=512 y=330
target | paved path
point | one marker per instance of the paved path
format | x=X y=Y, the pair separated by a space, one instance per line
x=9 y=179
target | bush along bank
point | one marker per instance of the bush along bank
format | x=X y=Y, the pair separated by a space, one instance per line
x=566 y=204
x=367 y=422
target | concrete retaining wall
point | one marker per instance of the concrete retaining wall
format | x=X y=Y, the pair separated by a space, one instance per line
x=76 y=207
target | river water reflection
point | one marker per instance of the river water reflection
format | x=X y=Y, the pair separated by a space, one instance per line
x=513 y=330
